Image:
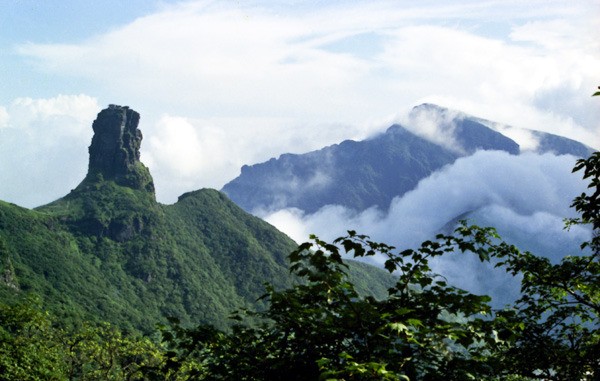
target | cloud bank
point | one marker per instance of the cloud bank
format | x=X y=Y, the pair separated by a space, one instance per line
x=220 y=84
x=43 y=147
x=525 y=197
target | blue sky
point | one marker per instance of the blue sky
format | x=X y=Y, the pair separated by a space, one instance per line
x=220 y=84
x=55 y=21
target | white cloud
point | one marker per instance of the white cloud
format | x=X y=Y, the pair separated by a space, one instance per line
x=526 y=139
x=437 y=127
x=68 y=114
x=471 y=183
x=255 y=80
x=185 y=154
x=43 y=147
x=504 y=81
x=526 y=197
x=3 y=117
x=176 y=146
x=292 y=220
x=234 y=60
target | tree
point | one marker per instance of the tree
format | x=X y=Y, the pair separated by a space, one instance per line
x=103 y=353
x=29 y=346
x=425 y=329
x=322 y=328
x=559 y=310
x=33 y=347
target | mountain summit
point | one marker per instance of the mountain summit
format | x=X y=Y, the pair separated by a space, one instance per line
x=372 y=172
x=108 y=251
x=115 y=149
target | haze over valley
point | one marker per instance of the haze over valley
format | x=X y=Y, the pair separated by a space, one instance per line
x=299 y=190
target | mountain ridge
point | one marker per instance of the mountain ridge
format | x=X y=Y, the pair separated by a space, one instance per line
x=108 y=251
x=371 y=172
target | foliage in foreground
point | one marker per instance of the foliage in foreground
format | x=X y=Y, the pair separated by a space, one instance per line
x=425 y=329
x=323 y=329
x=32 y=347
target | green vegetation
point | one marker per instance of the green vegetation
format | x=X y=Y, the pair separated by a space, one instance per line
x=322 y=328
x=108 y=252
x=425 y=329
x=33 y=348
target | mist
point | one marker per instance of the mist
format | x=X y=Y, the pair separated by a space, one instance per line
x=525 y=197
x=43 y=147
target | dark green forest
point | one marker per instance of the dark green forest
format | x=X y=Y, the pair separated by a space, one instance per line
x=109 y=252
x=107 y=284
x=322 y=328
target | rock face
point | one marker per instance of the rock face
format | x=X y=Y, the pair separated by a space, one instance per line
x=372 y=172
x=354 y=174
x=115 y=149
x=108 y=251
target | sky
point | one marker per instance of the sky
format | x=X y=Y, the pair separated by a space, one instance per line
x=220 y=84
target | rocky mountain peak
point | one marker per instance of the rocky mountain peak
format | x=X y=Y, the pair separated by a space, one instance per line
x=115 y=149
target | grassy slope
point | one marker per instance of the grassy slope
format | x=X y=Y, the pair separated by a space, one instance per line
x=110 y=253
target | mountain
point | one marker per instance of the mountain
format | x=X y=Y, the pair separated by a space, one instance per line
x=406 y=185
x=372 y=172
x=357 y=174
x=108 y=251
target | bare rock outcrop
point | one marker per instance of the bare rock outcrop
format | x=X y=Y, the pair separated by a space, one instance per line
x=115 y=149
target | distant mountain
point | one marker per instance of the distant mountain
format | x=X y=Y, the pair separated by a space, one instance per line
x=421 y=178
x=354 y=174
x=472 y=134
x=362 y=174
x=109 y=252
x=560 y=145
